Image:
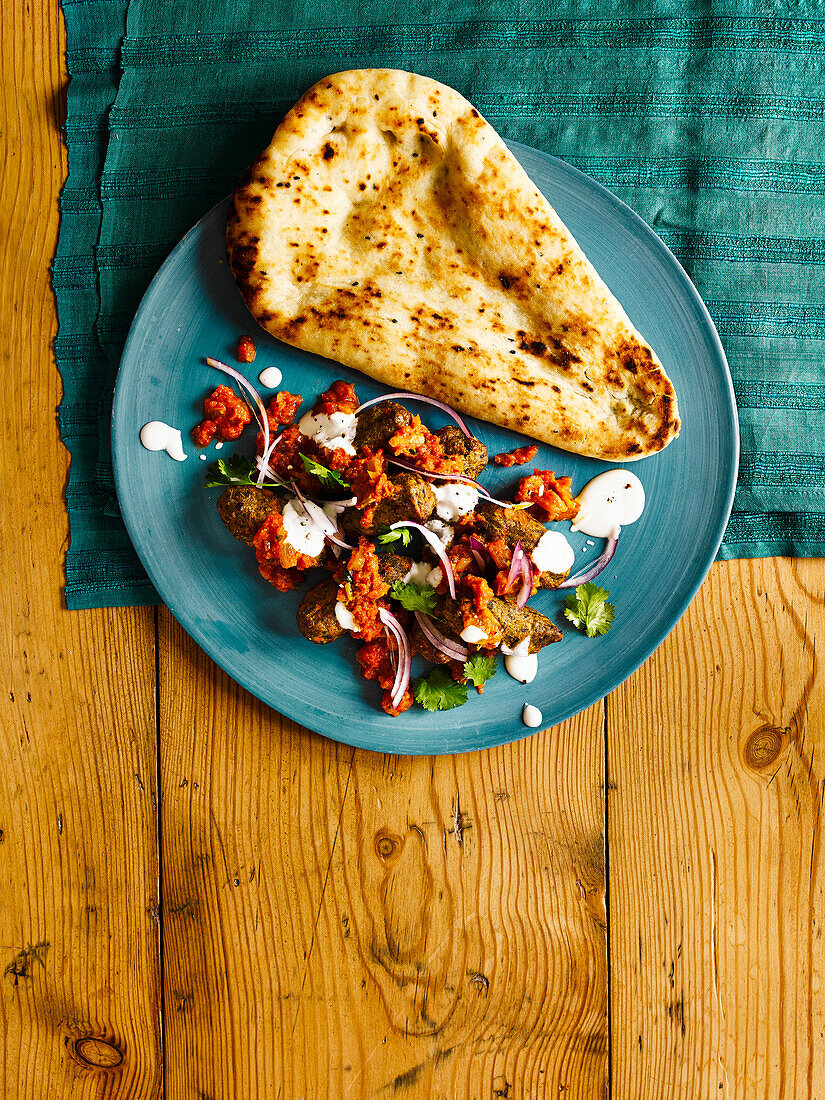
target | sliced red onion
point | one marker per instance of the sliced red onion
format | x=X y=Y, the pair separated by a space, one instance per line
x=265 y=470
x=329 y=529
x=402 y=675
x=479 y=552
x=263 y=462
x=591 y=571
x=244 y=383
x=526 y=590
x=515 y=565
x=454 y=650
x=438 y=548
x=418 y=397
x=269 y=473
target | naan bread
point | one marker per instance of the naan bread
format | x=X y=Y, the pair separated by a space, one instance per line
x=388 y=227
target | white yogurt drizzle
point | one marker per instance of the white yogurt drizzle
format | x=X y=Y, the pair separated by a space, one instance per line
x=553 y=553
x=442 y=530
x=454 y=499
x=302 y=531
x=270 y=378
x=345 y=617
x=333 y=432
x=531 y=716
x=609 y=502
x=157 y=436
x=520 y=663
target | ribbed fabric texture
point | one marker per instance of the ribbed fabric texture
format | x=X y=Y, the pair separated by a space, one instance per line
x=712 y=127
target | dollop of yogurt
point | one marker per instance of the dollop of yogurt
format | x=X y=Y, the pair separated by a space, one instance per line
x=345 y=617
x=304 y=533
x=270 y=378
x=520 y=663
x=333 y=431
x=609 y=502
x=553 y=553
x=473 y=634
x=157 y=436
x=423 y=572
x=417 y=573
x=531 y=716
x=442 y=530
x=333 y=508
x=455 y=499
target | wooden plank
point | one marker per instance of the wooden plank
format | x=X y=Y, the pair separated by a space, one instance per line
x=717 y=877
x=343 y=923
x=78 y=836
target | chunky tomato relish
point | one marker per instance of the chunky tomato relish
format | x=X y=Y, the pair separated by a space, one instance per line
x=361 y=589
x=273 y=549
x=340 y=397
x=519 y=457
x=225 y=415
x=246 y=350
x=551 y=496
x=377 y=664
x=424 y=449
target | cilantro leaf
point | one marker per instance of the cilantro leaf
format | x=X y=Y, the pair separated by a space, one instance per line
x=414 y=597
x=588 y=609
x=439 y=691
x=480 y=667
x=402 y=533
x=235 y=470
x=328 y=478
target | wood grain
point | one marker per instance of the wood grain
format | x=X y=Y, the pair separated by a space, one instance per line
x=339 y=923
x=78 y=837
x=343 y=923
x=717 y=874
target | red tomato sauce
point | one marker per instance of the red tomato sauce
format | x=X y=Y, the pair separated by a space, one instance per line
x=225 y=415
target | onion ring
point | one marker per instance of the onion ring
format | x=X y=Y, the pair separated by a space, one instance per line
x=438 y=548
x=418 y=397
x=591 y=571
x=260 y=415
x=402 y=675
x=454 y=650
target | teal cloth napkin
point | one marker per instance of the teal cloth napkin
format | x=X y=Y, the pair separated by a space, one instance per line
x=711 y=126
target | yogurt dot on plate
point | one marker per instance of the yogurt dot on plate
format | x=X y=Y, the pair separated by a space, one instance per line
x=531 y=716
x=609 y=502
x=157 y=436
x=270 y=378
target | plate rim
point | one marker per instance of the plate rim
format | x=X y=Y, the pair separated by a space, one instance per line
x=704 y=562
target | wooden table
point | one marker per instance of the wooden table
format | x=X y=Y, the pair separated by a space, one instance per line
x=201 y=897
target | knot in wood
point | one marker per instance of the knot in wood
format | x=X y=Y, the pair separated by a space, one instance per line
x=387 y=846
x=97 y=1053
x=763 y=747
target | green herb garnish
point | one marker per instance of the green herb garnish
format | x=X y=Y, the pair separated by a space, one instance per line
x=439 y=691
x=402 y=533
x=235 y=470
x=414 y=597
x=588 y=609
x=480 y=667
x=328 y=478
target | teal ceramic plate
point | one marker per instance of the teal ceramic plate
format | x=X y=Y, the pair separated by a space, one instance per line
x=211 y=583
